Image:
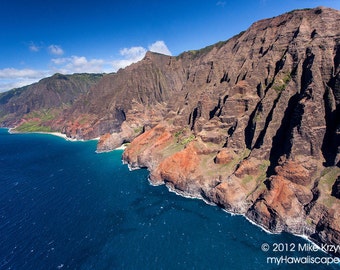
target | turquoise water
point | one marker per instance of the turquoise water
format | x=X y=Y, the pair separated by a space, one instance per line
x=62 y=206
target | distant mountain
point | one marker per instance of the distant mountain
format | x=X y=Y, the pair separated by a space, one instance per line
x=36 y=107
x=251 y=124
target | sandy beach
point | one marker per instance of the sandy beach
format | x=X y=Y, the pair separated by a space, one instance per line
x=58 y=134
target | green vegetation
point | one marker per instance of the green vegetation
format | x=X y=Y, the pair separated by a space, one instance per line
x=205 y=50
x=264 y=166
x=184 y=136
x=263 y=171
x=186 y=140
x=328 y=177
x=33 y=126
x=172 y=149
x=38 y=121
x=79 y=76
x=330 y=201
x=260 y=177
x=287 y=78
x=178 y=133
x=279 y=88
x=247 y=179
x=257 y=116
x=44 y=115
x=138 y=130
x=282 y=84
x=327 y=180
x=309 y=221
x=302 y=9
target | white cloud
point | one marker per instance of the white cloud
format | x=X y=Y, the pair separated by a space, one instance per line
x=59 y=61
x=134 y=54
x=5 y=86
x=55 y=49
x=12 y=73
x=130 y=55
x=118 y=64
x=79 y=64
x=159 y=47
x=12 y=78
x=33 y=48
x=80 y=61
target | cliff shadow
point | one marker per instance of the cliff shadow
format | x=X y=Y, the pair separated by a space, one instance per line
x=282 y=141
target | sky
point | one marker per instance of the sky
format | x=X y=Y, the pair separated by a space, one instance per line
x=42 y=37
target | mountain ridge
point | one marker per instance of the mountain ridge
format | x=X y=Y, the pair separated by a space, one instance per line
x=43 y=101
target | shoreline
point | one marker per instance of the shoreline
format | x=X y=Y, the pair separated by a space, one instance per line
x=177 y=192
x=61 y=135
x=188 y=196
x=122 y=147
x=57 y=134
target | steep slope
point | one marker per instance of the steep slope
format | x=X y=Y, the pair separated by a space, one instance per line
x=262 y=133
x=37 y=106
x=140 y=92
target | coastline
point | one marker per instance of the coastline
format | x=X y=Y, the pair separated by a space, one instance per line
x=61 y=135
x=58 y=134
x=122 y=147
x=202 y=227
x=171 y=189
x=189 y=196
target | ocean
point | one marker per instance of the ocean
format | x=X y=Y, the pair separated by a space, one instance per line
x=63 y=206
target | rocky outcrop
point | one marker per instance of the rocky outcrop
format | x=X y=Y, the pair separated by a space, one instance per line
x=251 y=124
x=108 y=141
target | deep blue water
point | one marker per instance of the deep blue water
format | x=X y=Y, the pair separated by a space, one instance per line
x=62 y=206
